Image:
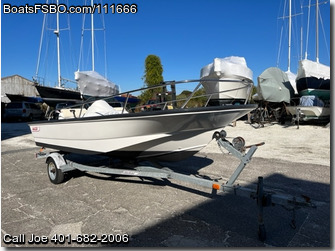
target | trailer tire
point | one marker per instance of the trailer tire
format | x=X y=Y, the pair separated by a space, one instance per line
x=56 y=176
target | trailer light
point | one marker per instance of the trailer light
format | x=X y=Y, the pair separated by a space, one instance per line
x=216 y=186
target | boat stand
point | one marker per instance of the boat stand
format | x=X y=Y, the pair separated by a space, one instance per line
x=58 y=164
x=297 y=117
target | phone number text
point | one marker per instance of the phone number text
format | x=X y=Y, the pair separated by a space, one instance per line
x=89 y=238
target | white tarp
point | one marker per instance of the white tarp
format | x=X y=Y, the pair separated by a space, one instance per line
x=291 y=77
x=228 y=71
x=92 y=84
x=228 y=67
x=101 y=108
x=308 y=68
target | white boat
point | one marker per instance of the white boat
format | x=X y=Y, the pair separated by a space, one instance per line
x=228 y=89
x=91 y=83
x=167 y=134
x=313 y=78
x=310 y=112
x=310 y=108
x=313 y=85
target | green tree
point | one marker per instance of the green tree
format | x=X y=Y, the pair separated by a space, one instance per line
x=199 y=99
x=152 y=76
x=254 y=91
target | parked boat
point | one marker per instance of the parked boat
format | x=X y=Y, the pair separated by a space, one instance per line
x=274 y=86
x=55 y=95
x=310 y=108
x=167 y=134
x=91 y=83
x=274 y=92
x=58 y=94
x=313 y=85
x=18 y=98
x=234 y=80
x=313 y=79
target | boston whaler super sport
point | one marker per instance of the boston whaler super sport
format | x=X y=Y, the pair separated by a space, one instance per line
x=161 y=134
x=165 y=134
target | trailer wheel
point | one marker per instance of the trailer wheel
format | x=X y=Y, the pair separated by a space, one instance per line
x=56 y=176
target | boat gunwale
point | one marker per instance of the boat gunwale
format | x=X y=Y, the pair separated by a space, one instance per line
x=150 y=113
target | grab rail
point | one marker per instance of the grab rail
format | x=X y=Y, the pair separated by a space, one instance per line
x=247 y=84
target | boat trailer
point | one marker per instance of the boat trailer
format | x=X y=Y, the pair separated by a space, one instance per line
x=58 y=164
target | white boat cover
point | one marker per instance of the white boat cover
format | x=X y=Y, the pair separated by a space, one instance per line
x=274 y=86
x=291 y=77
x=100 y=108
x=92 y=84
x=228 y=67
x=308 y=68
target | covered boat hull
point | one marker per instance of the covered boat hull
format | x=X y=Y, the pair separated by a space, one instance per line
x=314 y=86
x=310 y=108
x=165 y=135
x=238 y=93
x=234 y=80
x=313 y=79
x=310 y=112
x=274 y=86
x=92 y=84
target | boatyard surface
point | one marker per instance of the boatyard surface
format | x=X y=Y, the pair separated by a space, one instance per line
x=156 y=213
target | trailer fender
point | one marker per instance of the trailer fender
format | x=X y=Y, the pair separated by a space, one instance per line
x=58 y=159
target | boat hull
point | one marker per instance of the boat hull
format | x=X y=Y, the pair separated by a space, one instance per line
x=53 y=95
x=166 y=135
x=314 y=86
x=313 y=79
x=233 y=80
x=310 y=112
x=19 y=98
x=227 y=92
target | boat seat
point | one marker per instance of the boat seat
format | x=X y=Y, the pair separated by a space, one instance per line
x=70 y=113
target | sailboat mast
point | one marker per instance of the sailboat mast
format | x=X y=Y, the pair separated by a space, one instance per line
x=58 y=52
x=92 y=36
x=289 y=36
x=317 y=31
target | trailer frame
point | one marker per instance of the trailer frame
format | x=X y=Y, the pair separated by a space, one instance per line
x=58 y=164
